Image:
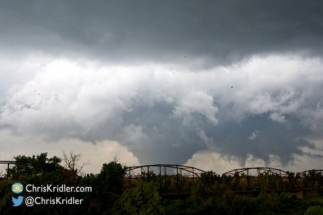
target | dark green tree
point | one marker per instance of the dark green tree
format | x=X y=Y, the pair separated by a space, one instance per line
x=210 y=177
x=142 y=200
x=314 y=210
x=37 y=169
x=107 y=187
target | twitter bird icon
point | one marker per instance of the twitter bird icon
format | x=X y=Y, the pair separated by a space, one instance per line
x=17 y=201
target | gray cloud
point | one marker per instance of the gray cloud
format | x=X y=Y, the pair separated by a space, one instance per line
x=166 y=79
x=166 y=115
x=207 y=33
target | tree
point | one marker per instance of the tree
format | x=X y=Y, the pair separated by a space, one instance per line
x=71 y=162
x=37 y=167
x=73 y=167
x=142 y=200
x=209 y=177
x=107 y=187
x=111 y=177
x=39 y=170
x=313 y=210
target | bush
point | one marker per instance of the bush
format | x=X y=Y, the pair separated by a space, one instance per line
x=314 y=210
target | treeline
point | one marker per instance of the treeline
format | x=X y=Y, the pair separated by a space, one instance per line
x=111 y=195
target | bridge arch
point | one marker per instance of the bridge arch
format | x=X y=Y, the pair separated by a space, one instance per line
x=311 y=179
x=254 y=178
x=307 y=173
x=256 y=171
x=169 y=177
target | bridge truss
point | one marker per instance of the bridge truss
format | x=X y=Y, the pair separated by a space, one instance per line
x=255 y=179
x=311 y=179
x=170 y=178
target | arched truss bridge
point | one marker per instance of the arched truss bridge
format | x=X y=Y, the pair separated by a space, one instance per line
x=310 y=179
x=253 y=179
x=256 y=171
x=171 y=178
x=312 y=172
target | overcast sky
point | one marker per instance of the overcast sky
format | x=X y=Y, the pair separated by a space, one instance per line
x=213 y=84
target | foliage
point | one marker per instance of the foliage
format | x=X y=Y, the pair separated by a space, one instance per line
x=209 y=194
x=40 y=170
x=142 y=200
x=35 y=166
x=149 y=176
x=314 y=210
x=5 y=196
x=111 y=178
x=209 y=177
x=107 y=186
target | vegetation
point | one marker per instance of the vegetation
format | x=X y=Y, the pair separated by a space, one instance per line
x=143 y=199
x=111 y=194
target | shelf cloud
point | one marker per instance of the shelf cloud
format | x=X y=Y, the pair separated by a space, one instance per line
x=169 y=82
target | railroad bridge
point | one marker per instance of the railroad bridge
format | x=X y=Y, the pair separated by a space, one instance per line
x=171 y=179
x=255 y=179
x=174 y=179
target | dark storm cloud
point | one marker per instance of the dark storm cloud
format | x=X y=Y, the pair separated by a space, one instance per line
x=173 y=77
x=261 y=137
x=164 y=116
x=207 y=32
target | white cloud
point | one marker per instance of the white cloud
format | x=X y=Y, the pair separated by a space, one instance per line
x=276 y=117
x=207 y=140
x=208 y=160
x=90 y=101
x=101 y=152
x=253 y=135
x=87 y=94
x=196 y=102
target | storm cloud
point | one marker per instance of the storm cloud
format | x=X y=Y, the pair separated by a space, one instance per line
x=206 y=32
x=167 y=80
